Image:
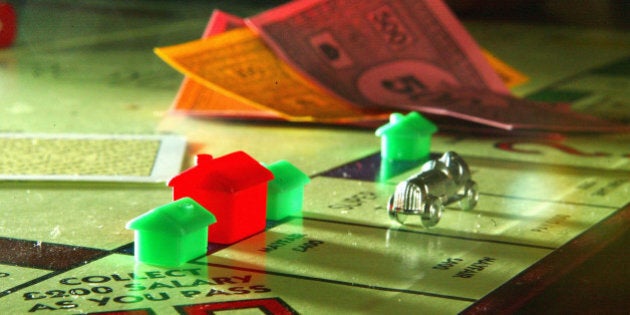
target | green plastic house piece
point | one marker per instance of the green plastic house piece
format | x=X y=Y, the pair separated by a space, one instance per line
x=172 y=234
x=406 y=137
x=285 y=195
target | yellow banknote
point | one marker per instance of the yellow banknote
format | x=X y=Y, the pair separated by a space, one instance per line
x=510 y=76
x=237 y=64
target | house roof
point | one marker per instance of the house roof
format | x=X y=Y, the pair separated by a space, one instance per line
x=178 y=218
x=412 y=124
x=230 y=173
x=286 y=176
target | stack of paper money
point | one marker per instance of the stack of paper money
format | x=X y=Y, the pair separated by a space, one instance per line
x=354 y=62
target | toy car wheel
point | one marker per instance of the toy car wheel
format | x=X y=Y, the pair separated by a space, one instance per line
x=433 y=210
x=470 y=196
x=400 y=217
x=394 y=215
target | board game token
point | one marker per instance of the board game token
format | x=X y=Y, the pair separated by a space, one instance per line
x=234 y=187
x=172 y=234
x=286 y=190
x=8 y=24
x=406 y=137
x=439 y=183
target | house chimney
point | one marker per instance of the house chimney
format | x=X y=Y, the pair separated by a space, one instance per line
x=203 y=158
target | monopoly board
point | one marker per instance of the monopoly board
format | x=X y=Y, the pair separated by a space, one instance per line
x=343 y=254
x=546 y=203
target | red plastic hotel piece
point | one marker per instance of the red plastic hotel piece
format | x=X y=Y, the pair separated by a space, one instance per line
x=8 y=24
x=233 y=187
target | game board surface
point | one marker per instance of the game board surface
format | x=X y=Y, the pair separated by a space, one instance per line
x=546 y=204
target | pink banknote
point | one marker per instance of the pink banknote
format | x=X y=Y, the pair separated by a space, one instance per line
x=404 y=54
x=507 y=112
x=220 y=22
x=355 y=48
